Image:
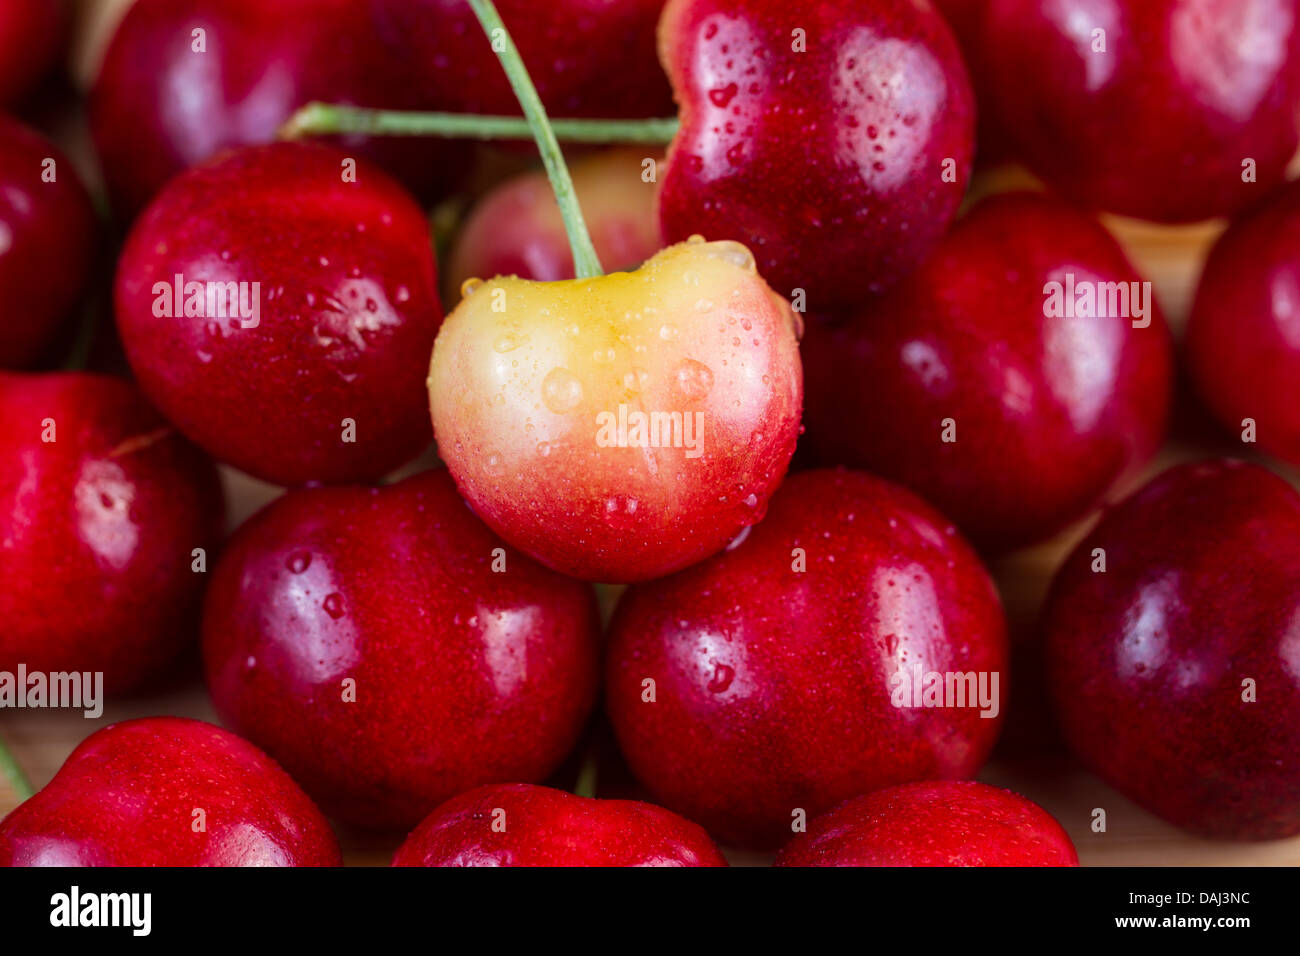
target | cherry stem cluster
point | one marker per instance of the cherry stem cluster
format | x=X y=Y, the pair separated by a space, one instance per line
x=12 y=774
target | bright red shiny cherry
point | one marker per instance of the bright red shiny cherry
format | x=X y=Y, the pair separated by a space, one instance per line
x=1243 y=338
x=1151 y=108
x=48 y=236
x=961 y=386
x=324 y=379
x=818 y=132
x=517 y=230
x=167 y=791
x=518 y=824
x=32 y=33
x=390 y=651
x=161 y=104
x=933 y=823
x=103 y=510
x=1176 y=670
x=777 y=677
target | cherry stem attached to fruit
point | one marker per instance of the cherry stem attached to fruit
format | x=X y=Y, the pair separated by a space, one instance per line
x=13 y=774
x=334 y=119
x=586 y=264
x=588 y=775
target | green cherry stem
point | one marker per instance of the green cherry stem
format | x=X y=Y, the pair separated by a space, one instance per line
x=333 y=119
x=588 y=775
x=12 y=774
x=586 y=264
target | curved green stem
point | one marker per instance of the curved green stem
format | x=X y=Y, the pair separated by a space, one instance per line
x=586 y=264
x=331 y=119
x=13 y=774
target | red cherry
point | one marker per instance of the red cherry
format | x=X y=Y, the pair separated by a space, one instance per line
x=517 y=824
x=162 y=104
x=32 y=33
x=48 y=235
x=827 y=161
x=1176 y=671
x=343 y=279
x=745 y=689
x=958 y=384
x=1243 y=339
x=592 y=58
x=102 y=505
x=933 y=823
x=517 y=230
x=133 y=793
x=1159 y=124
x=390 y=651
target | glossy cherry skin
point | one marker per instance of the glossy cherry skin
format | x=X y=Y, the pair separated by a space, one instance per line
x=828 y=163
x=1047 y=411
x=545 y=827
x=48 y=236
x=348 y=313
x=593 y=58
x=159 y=106
x=31 y=37
x=1152 y=662
x=131 y=795
x=98 y=529
x=1157 y=126
x=933 y=823
x=1243 y=340
x=533 y=388
x=516 y=229
x=774 y=688
x=462 y=674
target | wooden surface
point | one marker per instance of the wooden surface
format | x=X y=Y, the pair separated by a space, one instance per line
x=1028 y=760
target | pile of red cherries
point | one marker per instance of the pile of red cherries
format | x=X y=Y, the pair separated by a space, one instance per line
x=858 y=392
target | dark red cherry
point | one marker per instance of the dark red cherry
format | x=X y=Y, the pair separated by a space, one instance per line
x=304 y=355
x=518 y=824
x=833 y=138
x=1173 y=110
x=48 y=236
x=184 y=79
x=1243 y=338
x=390 y=651
x=988 y=383
x=108 y=520
x=593 y=58
x=32 y=33
x=933 y=823
x=771 y=682
x=1172 y=651
x=167 y=791
x=516 y=229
